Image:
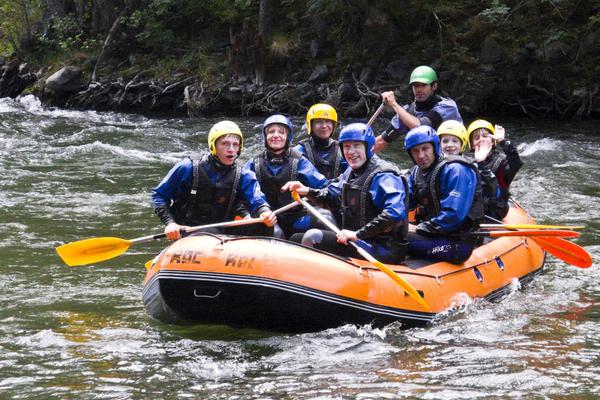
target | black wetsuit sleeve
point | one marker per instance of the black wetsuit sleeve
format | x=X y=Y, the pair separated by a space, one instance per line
x=429 y=229
x=262 y=209
x=241 y=209
x=391 y=134
x=378 y=225
x=164 y=213
x=513 y=161
x=318 y=194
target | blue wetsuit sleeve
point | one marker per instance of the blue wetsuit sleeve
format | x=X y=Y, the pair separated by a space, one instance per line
x=332 y=193
x=387 y=192
x=250 y=165
x=457 y=186
x=250 y=191
x=300 y=148
x=173 y=184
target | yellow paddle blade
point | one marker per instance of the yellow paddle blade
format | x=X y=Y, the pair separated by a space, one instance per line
x=93 y=250
x=408 y=288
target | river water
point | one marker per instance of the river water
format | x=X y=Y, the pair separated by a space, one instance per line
x=83 y=332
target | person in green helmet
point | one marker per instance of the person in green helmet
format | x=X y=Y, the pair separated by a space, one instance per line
x=427 y=108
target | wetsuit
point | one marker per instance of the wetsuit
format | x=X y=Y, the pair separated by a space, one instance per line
x=448 y=201
x=273 y=171
x=325 y=155
x=431 y=112
x=205 y=191
x=373 y=202
x=497 y=173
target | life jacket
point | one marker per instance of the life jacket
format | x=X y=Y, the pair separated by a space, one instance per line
x=495 y=196
x=357 y=205
x=271 y=184
x=208 y=202
x=329 y=166
x=427 y=193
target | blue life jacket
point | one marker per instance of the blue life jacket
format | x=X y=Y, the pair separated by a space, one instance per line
x=427 y=194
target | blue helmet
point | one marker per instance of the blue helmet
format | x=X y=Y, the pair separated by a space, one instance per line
x=358 y=132
x=279 y=119
x=422 y=134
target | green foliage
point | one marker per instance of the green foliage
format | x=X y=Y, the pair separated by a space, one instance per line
x=496 y=13
x=17 y=21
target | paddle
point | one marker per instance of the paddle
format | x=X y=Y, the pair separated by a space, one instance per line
x=569 y=252
x=529 y=226
x=376 y=114
x=412 y=292
x=529 y=232
x=562 y=249
x=89 y=251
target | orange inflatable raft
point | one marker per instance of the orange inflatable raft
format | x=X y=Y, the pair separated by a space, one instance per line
x=272 y=284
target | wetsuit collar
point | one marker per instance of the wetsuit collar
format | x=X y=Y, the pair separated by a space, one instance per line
x=217 y=164
x=427 y=104
x=277 y=159
x=321 y=143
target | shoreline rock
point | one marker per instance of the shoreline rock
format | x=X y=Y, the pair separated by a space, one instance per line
x=352 y=97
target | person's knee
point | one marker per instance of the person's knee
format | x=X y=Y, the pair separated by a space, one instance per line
x=278 y=232
x=312 y=237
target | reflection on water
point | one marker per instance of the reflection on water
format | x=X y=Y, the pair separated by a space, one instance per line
x=83 y=333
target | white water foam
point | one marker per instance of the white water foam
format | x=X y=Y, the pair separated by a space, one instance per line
x=541 y=145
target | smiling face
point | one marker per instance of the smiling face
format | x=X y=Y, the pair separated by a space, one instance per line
x=227 y=148
x=276 y=137
x=451 y=145
x=422 y=91
x=355 y=153
x=479 y=137
x=322 y=128
x=423 y=155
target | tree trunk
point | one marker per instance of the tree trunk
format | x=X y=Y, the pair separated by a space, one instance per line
x=107 y=42
x=260 y=50
x=55 y=8
x=263 y=17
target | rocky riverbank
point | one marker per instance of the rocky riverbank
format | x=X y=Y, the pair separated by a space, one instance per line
x=486 y=91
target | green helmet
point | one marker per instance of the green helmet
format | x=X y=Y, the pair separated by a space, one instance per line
x=423 y=74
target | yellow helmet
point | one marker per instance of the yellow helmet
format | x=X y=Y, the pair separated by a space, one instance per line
x=454 y=128
x=478 y=124
x=321 y=111
x=223 y=128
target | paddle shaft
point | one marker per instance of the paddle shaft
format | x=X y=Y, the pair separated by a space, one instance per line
x=376 y=114
x=529 y=226
x=527 y=233
x=227 y=224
